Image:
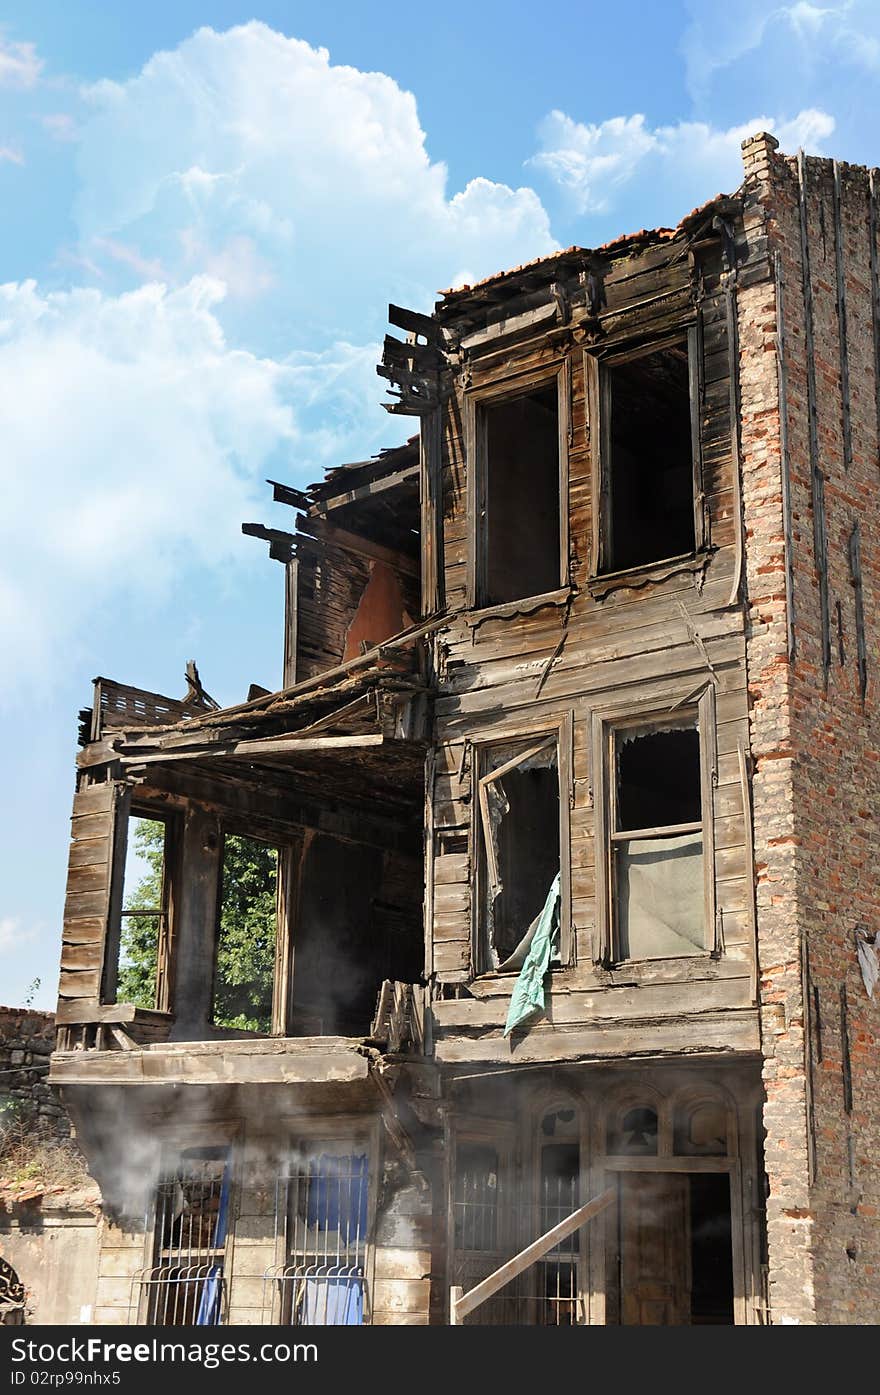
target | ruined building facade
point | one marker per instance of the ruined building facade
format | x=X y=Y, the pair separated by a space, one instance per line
x=571 y=789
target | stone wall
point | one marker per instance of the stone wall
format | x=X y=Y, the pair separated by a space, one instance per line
x=26 y=1041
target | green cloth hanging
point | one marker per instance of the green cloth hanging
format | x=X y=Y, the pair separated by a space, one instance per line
x=528 y=993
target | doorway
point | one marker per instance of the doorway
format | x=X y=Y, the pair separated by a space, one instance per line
x=675 y=1253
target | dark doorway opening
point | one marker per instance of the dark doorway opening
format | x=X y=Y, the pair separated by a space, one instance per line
x=676 y=1251
x=711 y=1250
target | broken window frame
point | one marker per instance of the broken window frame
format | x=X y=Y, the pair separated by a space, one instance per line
x=491 y=395
x=597 y=374
x=691 y=709
x=127 y=807
x=560 y=734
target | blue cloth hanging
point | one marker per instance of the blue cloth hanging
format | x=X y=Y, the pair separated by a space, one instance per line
x=210 y=1303
x=334 y=1298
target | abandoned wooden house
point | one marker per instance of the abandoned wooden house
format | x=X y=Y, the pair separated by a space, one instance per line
x=569 y=809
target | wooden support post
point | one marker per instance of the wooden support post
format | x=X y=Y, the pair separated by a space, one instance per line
x=291 y=579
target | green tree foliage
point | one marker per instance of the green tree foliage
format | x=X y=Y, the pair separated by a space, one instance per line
x=139 y=944
x=245 y=959
x=245 y=965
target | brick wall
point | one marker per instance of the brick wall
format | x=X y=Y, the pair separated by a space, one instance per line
x=814 y=742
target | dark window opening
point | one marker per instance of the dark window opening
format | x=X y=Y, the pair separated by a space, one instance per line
x=657 y=844
x=521 y=496
x=359 y=922
x=649 y=472
x=244 y=964
x=711 y=1250
x=658 y=778
x=144 y=938
x=519 y=806
x=186 y=1284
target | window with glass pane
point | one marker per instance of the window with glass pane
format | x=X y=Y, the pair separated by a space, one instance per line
x=657 y=841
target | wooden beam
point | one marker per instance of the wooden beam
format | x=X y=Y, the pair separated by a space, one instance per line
x=363 y=547
x=520 y=1263
x=413 y=323
x=286 y=494
x=364 y=491
x=265 y=746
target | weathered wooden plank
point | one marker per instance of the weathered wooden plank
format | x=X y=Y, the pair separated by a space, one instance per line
x=94 y=799
x=79 y=983
x=731 y=1033
x=90 y=878
x=451 y=869
x=89 y=852
x=571 y=1007
x=90 y=826
x=83 y=932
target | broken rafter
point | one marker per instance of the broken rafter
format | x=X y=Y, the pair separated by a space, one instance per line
x=281 y=544
x=365 y=491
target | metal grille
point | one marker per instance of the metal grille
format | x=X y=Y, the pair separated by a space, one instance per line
x=490 y=1227
x=321 y=1217
x=185 y=1286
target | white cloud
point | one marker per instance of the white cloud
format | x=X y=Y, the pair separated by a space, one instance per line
x=688 y=161
x=288 y=173
x=282 y=201
x=10 y=154
x=795 y=39
x=132 y=435
x=19 y=64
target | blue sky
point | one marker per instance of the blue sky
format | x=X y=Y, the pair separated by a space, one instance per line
x=206 y=209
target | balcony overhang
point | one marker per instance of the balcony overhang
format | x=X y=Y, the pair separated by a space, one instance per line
x=324 y=1061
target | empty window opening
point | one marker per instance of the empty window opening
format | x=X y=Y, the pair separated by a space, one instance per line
x=519 y=809
x=521 y=463
x=244 y=964
x=657 y=843
x=676 y=1256
x=649 y=472
x=358 y=923
x=322 y=1212
x=185 y=1286
x=144 y=933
